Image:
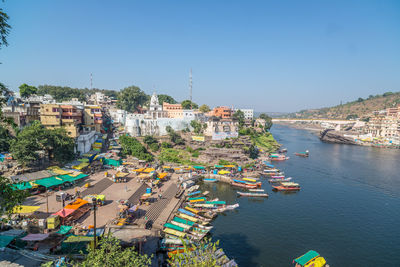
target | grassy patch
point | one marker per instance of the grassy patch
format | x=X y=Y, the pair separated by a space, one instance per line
x=265 y=141
x=178 y=156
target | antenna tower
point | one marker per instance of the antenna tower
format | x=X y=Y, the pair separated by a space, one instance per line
x=91 y=81
x=190 y=87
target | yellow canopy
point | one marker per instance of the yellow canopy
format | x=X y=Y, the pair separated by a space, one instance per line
x=81 y=166
x=166 y=167
x=25 y=209
x=224 y=172
x=229 y=166
x=143 y=175
x=121 y=174
x=162 y=175
x=139 y=170
x=147 y=170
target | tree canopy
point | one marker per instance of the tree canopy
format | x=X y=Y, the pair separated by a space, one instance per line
x=204 y=108
x=4 y=28
x=35 y=137
x=130 y=98
x=200 y=255
x=187 y=104
x=174 y=136
x=131 y=146
x=64 y=93
x=239 y=115
x=9 y=198
x=268 y=121
x=166 y=98
x=27 y=90
x=110 y=253
x=5 y=138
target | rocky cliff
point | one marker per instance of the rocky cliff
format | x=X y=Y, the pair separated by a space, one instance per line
x=335 y=137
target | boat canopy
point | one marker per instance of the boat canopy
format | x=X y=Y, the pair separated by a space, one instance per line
x=199 y=167
x=302 y=260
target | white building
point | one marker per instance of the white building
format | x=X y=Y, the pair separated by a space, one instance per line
x=248 y=113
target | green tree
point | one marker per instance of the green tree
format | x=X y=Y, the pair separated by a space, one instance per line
x=174 y=137
x=197 y=126
x=27 y=90
x=187 y=104
x=5 y=139
x=268 y=121
x=130 y=98
x=239 y=115
x=110 y=253
x=166 y=98
x=131 y=146
x=9 y=198
x=200 y=255
x=35 y=138
x=204 y=108
x=148 y=140
x=4 y=28
x=166 y=145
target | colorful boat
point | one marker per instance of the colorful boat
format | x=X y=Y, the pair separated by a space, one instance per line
x=174 y=232
x=194 y=193
x=250 y=180
x=246 y=194
x=174 y=227
x=279 y=180
x=310 y=259
x=287 y=186
x=244 y=185
x=256 y=190
x=184 y=226
x=302 y=154
x=209 y=180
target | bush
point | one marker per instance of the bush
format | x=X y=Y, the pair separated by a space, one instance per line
x=166 y=145
x=154 y=147
x=225 y=162
x=131 y=146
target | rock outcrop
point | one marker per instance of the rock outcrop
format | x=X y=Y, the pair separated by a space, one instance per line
x=335 y=137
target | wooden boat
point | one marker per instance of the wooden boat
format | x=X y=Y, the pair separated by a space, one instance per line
x=194 y=193
x=245 y=194
x=209 y=180
x=206 y=193
x=193 y=188
x=202 y=205
x=216 y=202
x=310 y=259
x=174 y=232
x=191 y=223
x=281 y=158
x=195 y=211
x=283 y=150
x=199 y=219
x=227 y=207
x=278 y=180
x=184 y=226
x=247 y=182
x=287 y=186
x=278 y=176
x=256 y=190
x=270 y=170
x=250 y=180
x=243 y=185
x=302 y=154
x=174 y=227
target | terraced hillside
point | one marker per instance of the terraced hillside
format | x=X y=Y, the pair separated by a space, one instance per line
x=361 y=108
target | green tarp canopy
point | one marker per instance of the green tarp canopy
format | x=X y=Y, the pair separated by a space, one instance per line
x=64 y=229
x=302 y=260
x=5 y=240
x=50 y=181
x=112 y=162
x=68 y=178
x=199 y=167
x=219 y=166
x=21 y=186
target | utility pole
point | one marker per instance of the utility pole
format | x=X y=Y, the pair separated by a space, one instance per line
x=94 y=202
x=47 y=201
x=190 y=87
x=91 y=81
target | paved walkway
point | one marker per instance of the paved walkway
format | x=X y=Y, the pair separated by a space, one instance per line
x=99 y=187
x=157 y=208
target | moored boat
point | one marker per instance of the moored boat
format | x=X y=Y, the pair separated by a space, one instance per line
x=246 y=194
x=310 y=259
x=279 y=180
x=287 y=186
x=209 y=180
x=244 y=185
x=302 y=154
x=256 y=190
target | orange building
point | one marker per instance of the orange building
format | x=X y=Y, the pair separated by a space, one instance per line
x=173 y=110
x=222 y=112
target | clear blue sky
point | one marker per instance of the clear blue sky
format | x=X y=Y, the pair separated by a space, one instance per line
x=269 y=55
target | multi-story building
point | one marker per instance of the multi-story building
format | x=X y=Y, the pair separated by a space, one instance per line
x=93 y=118
x=221 y=129
x=382 y=125
x=248 y=113
x=59 y=115
x=173 y=110
x=222 y=112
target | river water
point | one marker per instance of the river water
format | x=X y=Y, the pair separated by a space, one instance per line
x=348 y=208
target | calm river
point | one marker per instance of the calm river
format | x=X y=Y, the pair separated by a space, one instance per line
x=348 y=208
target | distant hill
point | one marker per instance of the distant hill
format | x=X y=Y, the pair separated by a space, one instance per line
x=361 y=108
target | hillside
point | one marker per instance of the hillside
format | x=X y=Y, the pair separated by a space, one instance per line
x=361 y=108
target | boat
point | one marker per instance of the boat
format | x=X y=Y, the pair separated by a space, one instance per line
x=287 y=186
x=256 y=190
x=246 y=194
x=310 y=259
x=193 y=188
x=258 y=184
x=254 y=180
x=206 y=193
x=194 y=193
x=270 y=170
x=303 y=154
x=227 y=207
x=196 y=218
x=277 y=176
x=278 y=180
x=283 y=150
x=269 y=165
x=174 y=232
x=174 y=227
x=244 y=185
x=184 y=226
x=190 y=223
x=216 y=202
x=209 y=180
x=281 y=158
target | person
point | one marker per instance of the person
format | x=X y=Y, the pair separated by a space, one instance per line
x=159 y=196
